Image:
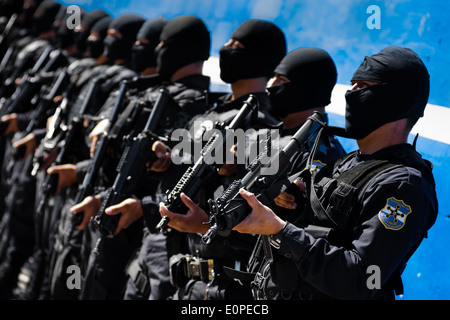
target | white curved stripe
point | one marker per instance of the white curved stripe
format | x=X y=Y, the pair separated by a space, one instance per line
x=434 y=125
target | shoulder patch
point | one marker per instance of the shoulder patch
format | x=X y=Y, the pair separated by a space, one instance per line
x=316 y=165
x=393 y=215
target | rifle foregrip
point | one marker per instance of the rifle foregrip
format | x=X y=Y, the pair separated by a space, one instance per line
x=210 y=234
x=76 y=218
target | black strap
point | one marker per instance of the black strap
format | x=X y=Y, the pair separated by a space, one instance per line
x=139 y=278
x=357 y=178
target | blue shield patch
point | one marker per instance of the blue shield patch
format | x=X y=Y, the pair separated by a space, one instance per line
x=316 y=165
x=393 y=215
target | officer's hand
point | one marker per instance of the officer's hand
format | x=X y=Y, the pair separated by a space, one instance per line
x=262 y=220
x=192 y=221
x=11 y=121
x=287 y=200
x=49 y=158
x=130 y=210
x=89 y=207
x=228 y=169
x=96 y=133
x=164 y=157
x=29 y=142
x=67 y=175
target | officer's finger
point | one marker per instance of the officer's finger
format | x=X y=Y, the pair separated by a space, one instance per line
x=19 y=143
x=300 y=184
x=164 y=211
x=84 y=223
x=285 y=203
x=77 y=207
x=167 y=159
x=113 y=210
x=188 y=202
x=159 y=148
x=250 y=197
x=93 y=145
x=122 y=224
x=52 y=170
x=286 y=197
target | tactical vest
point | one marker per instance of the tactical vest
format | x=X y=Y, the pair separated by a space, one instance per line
x=335 y=205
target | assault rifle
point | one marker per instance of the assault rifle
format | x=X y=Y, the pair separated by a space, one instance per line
x=230 y=208
x=4 y=41
x=6 y=64
x=59 y=122
x=87 y=187
x=73 y=133
x=45 y=106
x=8 y=86
x=130 y=170
x=55 y=132
x=31 y=83
x=194 y=177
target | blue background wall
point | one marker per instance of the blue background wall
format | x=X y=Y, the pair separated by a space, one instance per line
x=339 y=26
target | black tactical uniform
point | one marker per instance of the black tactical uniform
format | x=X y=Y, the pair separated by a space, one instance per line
x=257 y=59
x=373 y=210
x=104 y=279
x=18 y=237
x=80 y=71
x=66 y=251
x=188 y=35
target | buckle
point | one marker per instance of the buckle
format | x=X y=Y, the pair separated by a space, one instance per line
x=198 y=268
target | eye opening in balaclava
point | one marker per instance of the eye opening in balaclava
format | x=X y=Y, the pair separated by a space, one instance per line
x=143 y=54
x=312 y=74
x=128 y=26
x=81 y=32
x=402 y=92
x=184 y=40
x=44 y=16
x=264 y=47
x=100 y=28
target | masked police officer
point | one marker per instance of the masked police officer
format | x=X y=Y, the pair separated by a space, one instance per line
x=184 y=46
x=374 y=206
x=247 y=62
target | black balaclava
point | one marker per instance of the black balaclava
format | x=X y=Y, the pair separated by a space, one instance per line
x=44 y=16
x=312 y=74
x=10 y=7
x=143 y=55
x=402 y=92
x=86 y=24
x=63 y=35
x=264 y=47
x=101 y=27
x=186 y=40
x=128 y=25
x=25 y=19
